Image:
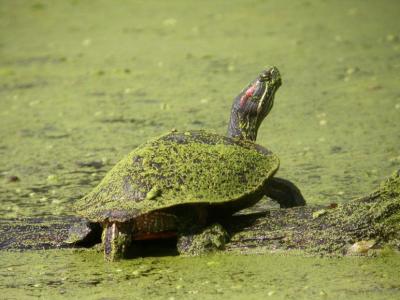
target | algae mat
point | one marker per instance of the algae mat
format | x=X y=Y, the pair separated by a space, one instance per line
x=84 y=82
x=83 y=275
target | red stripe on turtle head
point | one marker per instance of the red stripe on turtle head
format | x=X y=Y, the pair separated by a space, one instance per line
x=249 y=92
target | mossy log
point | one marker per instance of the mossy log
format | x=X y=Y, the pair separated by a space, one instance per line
x=372 y=221
x=355 y=226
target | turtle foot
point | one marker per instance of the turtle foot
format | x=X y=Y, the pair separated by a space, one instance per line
x=116 y=240
x=207 y=240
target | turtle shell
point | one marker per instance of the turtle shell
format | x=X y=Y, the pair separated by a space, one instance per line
x=194 y=167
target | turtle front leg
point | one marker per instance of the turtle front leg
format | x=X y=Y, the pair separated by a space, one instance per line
x=285 y=192
x=116 y=239
x=196 y=242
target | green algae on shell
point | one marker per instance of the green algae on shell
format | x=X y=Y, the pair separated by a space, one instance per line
x=194 y=167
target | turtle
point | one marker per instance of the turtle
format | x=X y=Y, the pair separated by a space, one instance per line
x=183 y=183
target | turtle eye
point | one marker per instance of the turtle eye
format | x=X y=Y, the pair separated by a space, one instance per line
x=265 y=76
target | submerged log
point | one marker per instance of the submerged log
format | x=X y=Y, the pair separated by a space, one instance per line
x=372 y=221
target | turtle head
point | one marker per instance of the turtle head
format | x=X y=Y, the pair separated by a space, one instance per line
x=253 y=104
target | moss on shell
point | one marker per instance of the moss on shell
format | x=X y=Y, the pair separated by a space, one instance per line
x=179 y=168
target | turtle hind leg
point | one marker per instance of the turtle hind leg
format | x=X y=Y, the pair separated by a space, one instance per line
x=116 y=239
x=206 y=240
x=285 y=192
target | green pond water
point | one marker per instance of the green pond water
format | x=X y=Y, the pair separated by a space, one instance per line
x=82 y=83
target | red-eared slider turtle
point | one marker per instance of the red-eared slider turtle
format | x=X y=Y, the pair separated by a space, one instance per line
x=182 y=183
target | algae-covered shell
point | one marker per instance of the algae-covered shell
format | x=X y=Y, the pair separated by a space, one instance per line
x=178 y=168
